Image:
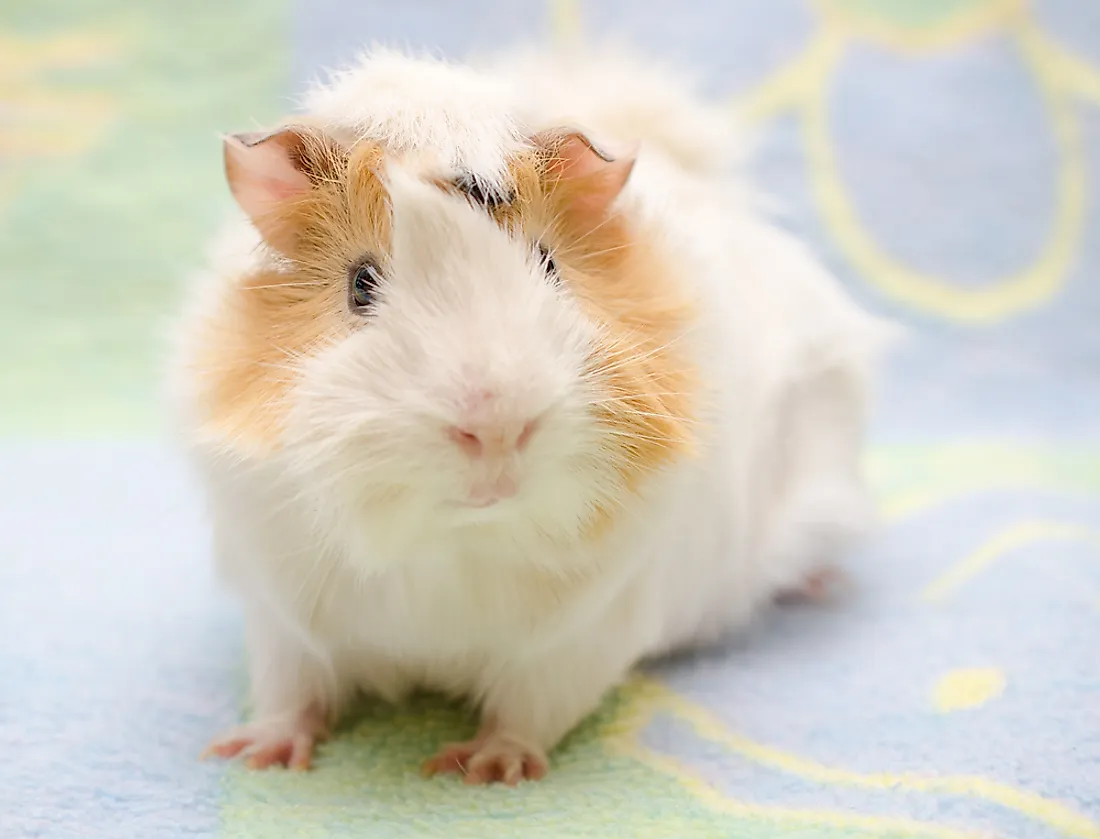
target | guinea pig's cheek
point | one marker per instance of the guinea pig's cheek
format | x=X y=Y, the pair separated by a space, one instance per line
x=324 y=397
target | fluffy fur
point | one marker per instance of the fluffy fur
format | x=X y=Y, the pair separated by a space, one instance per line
x=695 y=384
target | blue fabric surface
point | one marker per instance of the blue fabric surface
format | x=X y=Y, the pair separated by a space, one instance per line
x=942 y=157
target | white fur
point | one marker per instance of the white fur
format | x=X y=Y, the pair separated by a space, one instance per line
x=460 y=116
x=355 y=568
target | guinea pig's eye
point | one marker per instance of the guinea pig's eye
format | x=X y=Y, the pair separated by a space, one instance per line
x=363 y=281
x=487 y=196
x=548 y=263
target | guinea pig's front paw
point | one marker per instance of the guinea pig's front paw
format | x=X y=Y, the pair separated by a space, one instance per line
x=490 y=758
x=287 y=740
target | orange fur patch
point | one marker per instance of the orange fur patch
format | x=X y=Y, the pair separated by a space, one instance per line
x=642 y=366
x=250 y=347
x=631 y=289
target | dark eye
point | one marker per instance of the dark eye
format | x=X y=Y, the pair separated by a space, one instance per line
x=548 y=262
x=490 y=197
x=363 y=281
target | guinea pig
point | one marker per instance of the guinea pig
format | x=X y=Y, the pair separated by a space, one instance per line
x=493 y=403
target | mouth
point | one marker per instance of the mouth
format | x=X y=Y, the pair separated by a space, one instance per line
x=481 y=503
x=483 y=496
x=478 y=508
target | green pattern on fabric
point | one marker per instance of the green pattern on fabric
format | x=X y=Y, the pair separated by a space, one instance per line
x=110 y=181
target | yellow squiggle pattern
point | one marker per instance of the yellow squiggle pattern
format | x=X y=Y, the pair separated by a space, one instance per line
x=968 y=688
x=1009 y=539
x=910 y=483
x=960 y=27
x=786 y=816
x=565 y=20
x=651 y=697
x=803 y=88
x=921 y=500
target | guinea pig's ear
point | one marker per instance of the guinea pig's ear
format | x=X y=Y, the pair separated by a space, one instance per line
x=587 y=177
x=269 y=171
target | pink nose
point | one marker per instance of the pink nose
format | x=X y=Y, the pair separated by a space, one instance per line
x=491 y=440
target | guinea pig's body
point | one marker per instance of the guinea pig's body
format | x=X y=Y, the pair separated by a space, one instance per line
x=508 y=477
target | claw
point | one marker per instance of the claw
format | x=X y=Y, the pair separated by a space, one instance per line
x=489 y=758
x=277 y=741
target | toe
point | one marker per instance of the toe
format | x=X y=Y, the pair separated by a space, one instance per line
x=513 y=772
x=483 y=772
x=489 y=760
x=270 y=754
x=301 y=752
x=450 y=759
x=483 y=769
x=818 y=587
x=441 y=765
x=453 y=758
x=534 y=768
x=226 y=748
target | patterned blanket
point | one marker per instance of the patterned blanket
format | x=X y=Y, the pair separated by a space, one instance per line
x=943 y=157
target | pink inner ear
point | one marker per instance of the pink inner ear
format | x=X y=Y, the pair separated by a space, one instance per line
x=604 y=176
x=263 y=174
x=279 y=190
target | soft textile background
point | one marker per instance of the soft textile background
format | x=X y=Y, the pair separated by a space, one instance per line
x=943 y=156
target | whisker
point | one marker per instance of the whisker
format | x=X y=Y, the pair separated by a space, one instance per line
x=655 y=415
x=284 y=285
x=632 y=435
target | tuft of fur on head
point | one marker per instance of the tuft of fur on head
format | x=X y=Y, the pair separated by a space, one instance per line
x=420 y=104
x=528 y=280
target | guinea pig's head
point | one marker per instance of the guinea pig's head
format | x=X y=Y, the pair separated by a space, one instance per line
x=434 y=349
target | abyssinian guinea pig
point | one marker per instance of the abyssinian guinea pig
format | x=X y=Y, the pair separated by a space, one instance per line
x=497 y=386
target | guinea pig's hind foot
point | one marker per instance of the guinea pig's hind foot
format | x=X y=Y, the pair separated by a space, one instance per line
x=286 y=740
x=492 y=756
x=819 y=586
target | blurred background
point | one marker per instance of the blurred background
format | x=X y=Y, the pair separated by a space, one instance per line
x=942 y=157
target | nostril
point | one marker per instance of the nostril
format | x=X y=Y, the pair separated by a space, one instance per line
x=466 y=440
